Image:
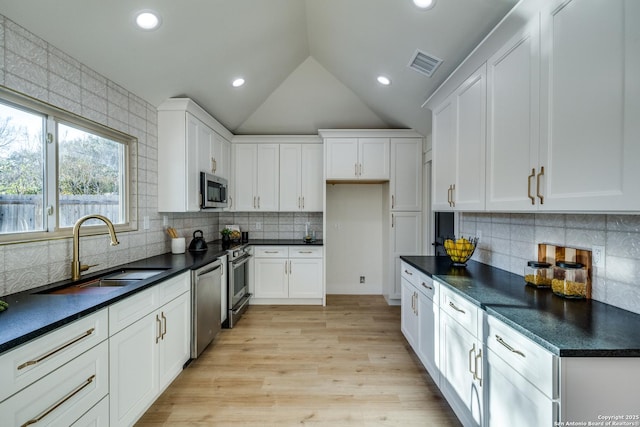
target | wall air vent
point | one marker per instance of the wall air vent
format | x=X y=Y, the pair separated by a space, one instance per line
x=424 y=63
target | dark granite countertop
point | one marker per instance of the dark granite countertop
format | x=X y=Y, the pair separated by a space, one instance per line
x=32 y=314
x=568 y=328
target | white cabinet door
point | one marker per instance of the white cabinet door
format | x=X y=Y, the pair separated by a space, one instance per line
x=98 y=416
x=513 y=122
x=312 y=182
x=175 y=338
x=461 y=362
x=133 y=370
x=444 y=155
x=190 y=170
x=245 y=165
x=373 y=154
x=471 y=102
x=429 y=333
x=206 y=149
x=270 y=278
x=507 y=388
x=406 y=229
x=220 y=156
x=290 y=177
x=342 y=158
x=406 y=174
x=305 y=278
x=409 y=313
x=590 y=104
x=268 y=177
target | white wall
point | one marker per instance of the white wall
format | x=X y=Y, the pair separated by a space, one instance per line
x=354 y=238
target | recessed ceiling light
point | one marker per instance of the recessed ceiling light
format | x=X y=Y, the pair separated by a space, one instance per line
x=238 y=82
x=147 y=20
x=425 y=4
x=385 y=81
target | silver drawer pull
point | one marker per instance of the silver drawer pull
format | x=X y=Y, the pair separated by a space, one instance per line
x=408 y=272
x=305 y=252
x=52 y=352
x=60 y=402
x=271 y=252
x=508 y=347
x=452 y=305
x=427 y=286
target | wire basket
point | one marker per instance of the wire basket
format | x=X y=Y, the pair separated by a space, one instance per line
x=461 y=249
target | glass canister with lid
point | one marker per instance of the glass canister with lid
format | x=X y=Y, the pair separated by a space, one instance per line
x=569 y=280
x=538 y=274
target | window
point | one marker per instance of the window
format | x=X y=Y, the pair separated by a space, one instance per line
x=56 y=167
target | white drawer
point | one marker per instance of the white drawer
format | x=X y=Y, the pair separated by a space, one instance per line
x=98 y=416
x=305 y=252
x=174 y=287
x=131 y=309
x=271 y=251
x=429 y=288
x=411 y=274
x=532 y=361
x=463 y=311
x=63 y=396
x=28 y=363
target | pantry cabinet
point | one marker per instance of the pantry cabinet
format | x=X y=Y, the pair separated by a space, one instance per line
x=149 y=351
x=287 y=274
x=190 y=141
x=405 y=239
x=301 y=177
x=459 y=147
x=256 y=177
x=365 y=158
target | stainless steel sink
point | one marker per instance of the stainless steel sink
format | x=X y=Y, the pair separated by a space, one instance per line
x=106 y=283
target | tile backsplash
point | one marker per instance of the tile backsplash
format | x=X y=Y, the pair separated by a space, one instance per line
x=273 y=225
x=509 y=240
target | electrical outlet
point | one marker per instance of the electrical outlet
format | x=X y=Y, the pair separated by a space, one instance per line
x=258 y=226
x=361 y=279
x=145 y=223
x=165 y=221
x=597 y=256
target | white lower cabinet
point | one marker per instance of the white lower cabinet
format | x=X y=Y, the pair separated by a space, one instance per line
x=98 y=416
x=287 y=274
x=462 y=357
x=63 y=396
x=409 y=319
x=146 y=355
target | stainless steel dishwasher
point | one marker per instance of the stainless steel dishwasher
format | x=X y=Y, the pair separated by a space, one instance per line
x=205 y=306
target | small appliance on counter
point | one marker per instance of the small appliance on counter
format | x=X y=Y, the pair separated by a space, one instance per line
x=198 y=244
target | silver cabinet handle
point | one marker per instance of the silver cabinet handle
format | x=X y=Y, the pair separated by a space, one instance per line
x=305 y=252
x=299 y=204
x=393 y=220
x=271 y=252
x=254 y=202
x=471 y=359
x=258 y=202
x=355 y=169
x=393 y=203
x=60 y=402
x=302 y=202
x=360 y=174
x=475 y=367
x=289 y=267
x=164 y=325
x=408 y=272
x=427 y=286
x=285 y=267
x=159 y=330
x=417 y=299
x=508 y=347
x=452 y=305
x=230 y=202
x=56 y=350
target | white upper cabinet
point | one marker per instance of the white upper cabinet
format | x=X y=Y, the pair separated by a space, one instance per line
x=221 y=156
x=406 y=174
x=301 y=177
x=187 y=145
x=590 y=98
x=256 y=171
x=513 y=128
x=459 y=147
x=357 y=159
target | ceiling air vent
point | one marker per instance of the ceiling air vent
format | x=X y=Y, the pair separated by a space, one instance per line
x=424 y=63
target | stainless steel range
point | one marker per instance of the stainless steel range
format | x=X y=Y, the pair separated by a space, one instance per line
x=238 y=284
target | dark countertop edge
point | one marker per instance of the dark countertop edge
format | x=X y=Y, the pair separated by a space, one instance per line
x=540 y=340
x=190 y=261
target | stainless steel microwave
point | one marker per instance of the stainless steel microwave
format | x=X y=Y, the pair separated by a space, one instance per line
x=213 y=191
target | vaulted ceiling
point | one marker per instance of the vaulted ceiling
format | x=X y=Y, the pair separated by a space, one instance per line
x=308 y=64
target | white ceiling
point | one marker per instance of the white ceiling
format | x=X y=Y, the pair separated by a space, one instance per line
x=203 y=44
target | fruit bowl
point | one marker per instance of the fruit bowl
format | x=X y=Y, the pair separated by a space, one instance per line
x=461 y=249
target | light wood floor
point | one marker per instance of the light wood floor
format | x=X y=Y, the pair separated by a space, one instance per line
x=346 y=364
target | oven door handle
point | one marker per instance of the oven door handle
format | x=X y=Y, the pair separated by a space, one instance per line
x=243 y=302
x=238 y=262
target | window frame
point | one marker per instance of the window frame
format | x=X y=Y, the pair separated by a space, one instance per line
x=52 y=117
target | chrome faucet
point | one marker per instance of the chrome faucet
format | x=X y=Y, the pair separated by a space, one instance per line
x=76 y=266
